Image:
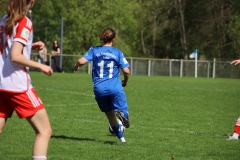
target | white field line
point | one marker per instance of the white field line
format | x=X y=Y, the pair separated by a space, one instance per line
x=179 y=131
x=66 y=105
x=64 y=91
x=80 y=120
x=193 y=132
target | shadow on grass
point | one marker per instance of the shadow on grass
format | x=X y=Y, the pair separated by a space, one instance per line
x=82 y=139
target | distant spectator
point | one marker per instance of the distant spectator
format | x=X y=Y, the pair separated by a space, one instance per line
x=42 y=56
x=55 y=59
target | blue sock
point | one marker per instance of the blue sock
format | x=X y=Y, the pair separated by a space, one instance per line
x=117 y=131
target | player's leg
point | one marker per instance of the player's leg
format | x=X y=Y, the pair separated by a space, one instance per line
x=115 y=126
x=124 y=117
x=57 y=64
x=28 y=105
x=105 y=105
x=121 y=108
x=53 y=63
x=6 y=111
x=2 y=123
x=236 y=130
x=237 y=127
x=41 y=125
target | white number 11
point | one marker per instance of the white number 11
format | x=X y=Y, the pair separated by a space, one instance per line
x=110 y=65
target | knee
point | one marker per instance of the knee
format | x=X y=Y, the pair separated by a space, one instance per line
x=47 y=133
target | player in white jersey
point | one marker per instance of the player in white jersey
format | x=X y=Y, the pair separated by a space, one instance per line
x=236 y=131
x=16 y=91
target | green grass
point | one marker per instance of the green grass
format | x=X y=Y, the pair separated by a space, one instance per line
x=187 y=118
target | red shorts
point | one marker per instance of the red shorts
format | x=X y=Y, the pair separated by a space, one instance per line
x=25 y=104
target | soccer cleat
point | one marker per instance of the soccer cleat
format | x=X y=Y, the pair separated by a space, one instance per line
x=231 y=138
x=123 y=119
x=122 y=139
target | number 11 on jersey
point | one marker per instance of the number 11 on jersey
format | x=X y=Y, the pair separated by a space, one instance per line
x=110 y=69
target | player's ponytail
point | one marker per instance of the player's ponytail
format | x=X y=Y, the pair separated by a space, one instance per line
x=107 y=35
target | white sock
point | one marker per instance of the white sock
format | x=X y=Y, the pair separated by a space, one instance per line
x=39 y=157
x=122 y=139
x=235 y=135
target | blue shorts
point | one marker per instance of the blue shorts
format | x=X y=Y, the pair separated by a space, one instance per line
x=113 y=102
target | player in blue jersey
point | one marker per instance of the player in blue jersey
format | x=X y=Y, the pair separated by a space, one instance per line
x=108 y=87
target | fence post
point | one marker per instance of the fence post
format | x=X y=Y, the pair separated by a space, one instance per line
x=149 y=67
x=214 y=65
x=170 y=68
x=208 y=71
x=61 y=43
x=181 y=67
x=131 y=66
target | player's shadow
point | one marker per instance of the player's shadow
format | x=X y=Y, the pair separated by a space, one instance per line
x=81 y=139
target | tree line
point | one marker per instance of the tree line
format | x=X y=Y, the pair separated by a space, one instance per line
x=145 y=28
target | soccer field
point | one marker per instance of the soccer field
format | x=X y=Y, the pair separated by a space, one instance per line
x=187 y=118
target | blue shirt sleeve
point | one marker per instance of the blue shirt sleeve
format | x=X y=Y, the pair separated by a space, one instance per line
x=123 y=63
x=89 y=55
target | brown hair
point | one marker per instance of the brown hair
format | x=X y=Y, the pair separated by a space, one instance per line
x=16 y=10
x=54 y=43
x=107 y=35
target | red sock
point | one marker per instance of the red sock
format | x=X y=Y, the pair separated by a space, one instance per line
x=237 y=126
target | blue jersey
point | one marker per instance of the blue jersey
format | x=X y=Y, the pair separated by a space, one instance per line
x=105 y=70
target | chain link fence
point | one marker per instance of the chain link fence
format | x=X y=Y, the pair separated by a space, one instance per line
x=162 y=67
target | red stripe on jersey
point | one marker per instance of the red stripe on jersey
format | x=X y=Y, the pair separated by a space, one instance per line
x=24 y=29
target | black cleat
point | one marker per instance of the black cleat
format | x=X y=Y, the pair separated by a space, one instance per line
x=123 y=119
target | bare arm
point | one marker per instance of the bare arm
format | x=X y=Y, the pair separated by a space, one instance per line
x=18 y=58
x=79 y=63
x=126 y=73
x=237 y=61
x=58 y=51
x=38 y=45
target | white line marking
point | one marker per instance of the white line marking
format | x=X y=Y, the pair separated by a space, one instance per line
x=64 y=91
x=65 y=105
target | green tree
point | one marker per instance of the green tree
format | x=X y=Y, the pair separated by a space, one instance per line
x=84 y=21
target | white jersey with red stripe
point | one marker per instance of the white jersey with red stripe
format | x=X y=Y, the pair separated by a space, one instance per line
x=15 y=77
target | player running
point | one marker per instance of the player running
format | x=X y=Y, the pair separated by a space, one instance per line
x=108 y=88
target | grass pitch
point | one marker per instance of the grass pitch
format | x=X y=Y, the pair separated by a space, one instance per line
x=184 y=118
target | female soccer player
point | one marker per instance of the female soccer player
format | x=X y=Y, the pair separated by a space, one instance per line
x=236 y=131
x=16 y=90
x=108 y=88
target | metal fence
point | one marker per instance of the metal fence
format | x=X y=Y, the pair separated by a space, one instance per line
x=164 y=67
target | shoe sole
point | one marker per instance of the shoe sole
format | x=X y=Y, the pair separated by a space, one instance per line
x=123 y=119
